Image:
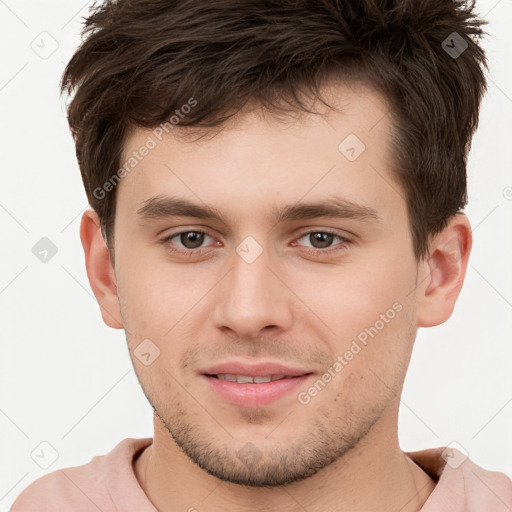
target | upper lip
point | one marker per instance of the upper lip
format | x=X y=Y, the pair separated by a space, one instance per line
x=254 y=369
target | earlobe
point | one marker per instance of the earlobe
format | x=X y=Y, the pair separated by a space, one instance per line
x=99 y=269
x=443 y=272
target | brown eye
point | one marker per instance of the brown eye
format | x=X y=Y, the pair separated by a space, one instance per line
x=320 y=240
x=324 y=242
x=191 y=239
x=187 y=241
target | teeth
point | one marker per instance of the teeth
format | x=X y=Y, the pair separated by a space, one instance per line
x=257 y=380
x=231 y=378
x=245 y=379
x=242 y=379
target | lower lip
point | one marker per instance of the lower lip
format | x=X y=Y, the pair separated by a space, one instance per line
x=255 y=395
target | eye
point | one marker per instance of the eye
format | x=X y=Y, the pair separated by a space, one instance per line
x=187 y=241
x=321 y=240
x=191 y=243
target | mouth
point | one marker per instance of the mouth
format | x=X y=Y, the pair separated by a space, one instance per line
x=254 y=386
x=248 y=379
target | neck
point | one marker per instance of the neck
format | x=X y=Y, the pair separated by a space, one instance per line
x=373 y=476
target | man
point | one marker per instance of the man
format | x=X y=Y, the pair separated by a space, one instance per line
x=277 y=192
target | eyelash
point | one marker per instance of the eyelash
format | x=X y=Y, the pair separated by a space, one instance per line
x=344 y=243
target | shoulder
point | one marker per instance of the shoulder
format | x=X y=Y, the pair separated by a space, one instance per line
x=85 y=488
x=52 y=491
x=462 y=483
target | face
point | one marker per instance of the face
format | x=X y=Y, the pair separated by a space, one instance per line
x=265 y=279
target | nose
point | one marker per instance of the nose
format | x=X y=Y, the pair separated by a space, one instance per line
x=253 y=297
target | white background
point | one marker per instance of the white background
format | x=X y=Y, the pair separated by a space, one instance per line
x=67 y=378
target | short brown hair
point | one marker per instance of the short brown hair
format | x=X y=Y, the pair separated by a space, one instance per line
x=141 y=60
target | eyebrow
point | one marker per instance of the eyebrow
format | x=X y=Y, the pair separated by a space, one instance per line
x=161 y=207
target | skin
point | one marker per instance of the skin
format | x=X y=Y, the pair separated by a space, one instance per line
x=294 y=304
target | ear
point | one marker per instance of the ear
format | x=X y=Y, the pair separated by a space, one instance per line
x=100 y=270
x=442 y=272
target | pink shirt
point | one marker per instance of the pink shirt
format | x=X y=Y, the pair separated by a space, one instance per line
x=108 y=483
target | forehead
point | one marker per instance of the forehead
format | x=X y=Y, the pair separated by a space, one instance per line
x=257 y=156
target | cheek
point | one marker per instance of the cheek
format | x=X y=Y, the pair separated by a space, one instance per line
x=370 y=314
x=356 y=296
x=149 y=291
x=162 y=303
x=144 y=309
